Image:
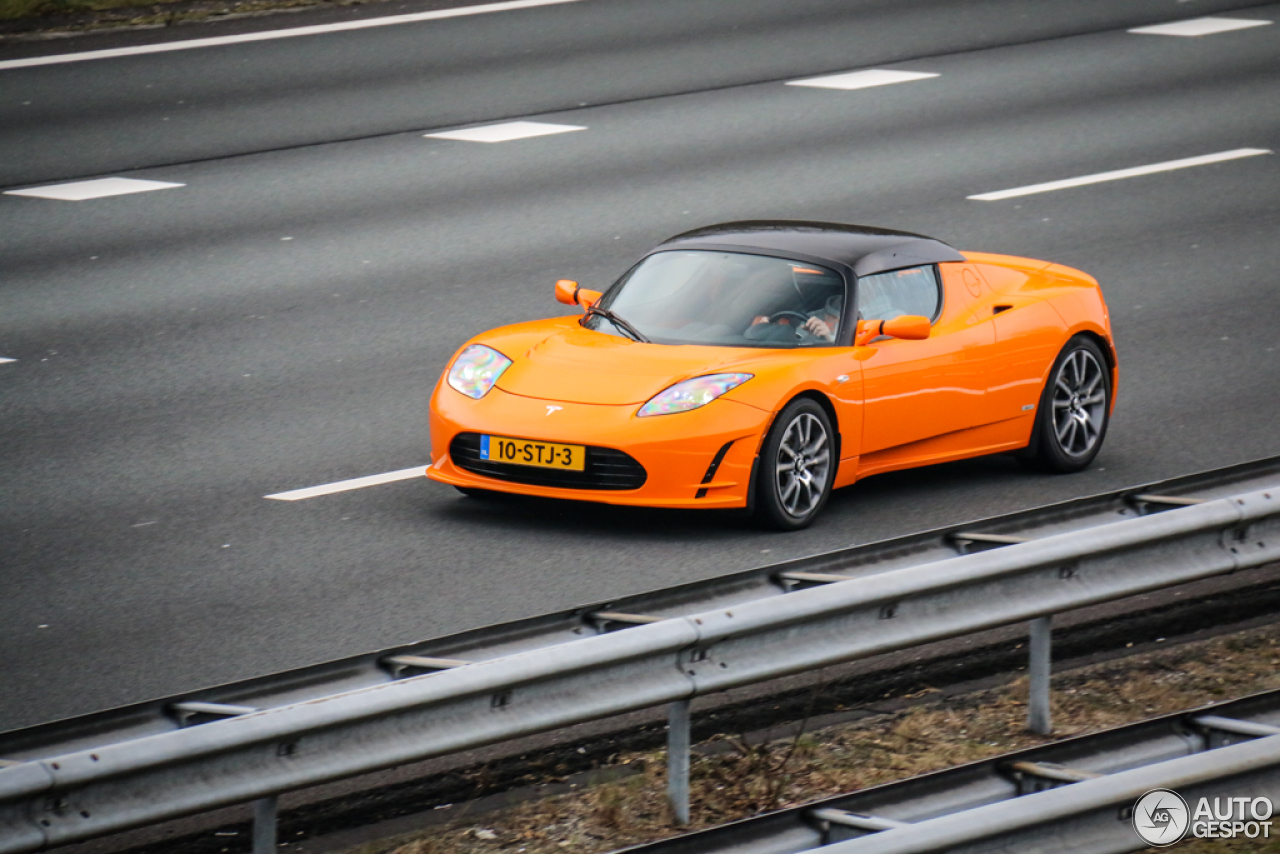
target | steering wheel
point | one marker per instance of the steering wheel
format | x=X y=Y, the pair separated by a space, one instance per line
x=778 y=315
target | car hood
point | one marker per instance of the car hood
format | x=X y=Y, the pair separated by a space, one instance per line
x=582 y=366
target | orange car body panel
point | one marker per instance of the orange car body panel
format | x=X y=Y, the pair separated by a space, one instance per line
x=971 y=388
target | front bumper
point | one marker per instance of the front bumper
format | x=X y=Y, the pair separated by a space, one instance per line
x=676 y=451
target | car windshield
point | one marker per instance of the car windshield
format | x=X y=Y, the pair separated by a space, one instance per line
x=727 y=299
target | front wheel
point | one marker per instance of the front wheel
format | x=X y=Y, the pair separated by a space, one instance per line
x=796 y=467
x=474 y=492
x=1074 y=410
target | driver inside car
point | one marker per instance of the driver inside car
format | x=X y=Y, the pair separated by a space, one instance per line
x=820 y=325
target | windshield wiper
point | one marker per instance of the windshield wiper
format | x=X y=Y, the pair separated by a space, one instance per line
x=617 y=321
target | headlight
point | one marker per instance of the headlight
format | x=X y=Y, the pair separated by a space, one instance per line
x=692 y=394
x=476 y=369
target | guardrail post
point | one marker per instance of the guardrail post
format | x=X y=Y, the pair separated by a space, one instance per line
x=1038 y=719
x=678 y=760
x=264 y=825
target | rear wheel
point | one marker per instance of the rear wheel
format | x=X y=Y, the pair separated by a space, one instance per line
x=1074 y=410
x=796 y=468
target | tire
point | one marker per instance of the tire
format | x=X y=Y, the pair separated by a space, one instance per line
x=472 y=492
x=1074 y=410
x=796 y=468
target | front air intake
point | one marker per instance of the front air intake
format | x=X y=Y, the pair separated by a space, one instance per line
x=606 y=468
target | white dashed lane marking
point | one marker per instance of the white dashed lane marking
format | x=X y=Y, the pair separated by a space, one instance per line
x=1199 y=27
x=354 y=483
x=96 y=189
x=390 y=20
x=4 y=361
x=505 y=132
x=1167 y=166
x=862 y=79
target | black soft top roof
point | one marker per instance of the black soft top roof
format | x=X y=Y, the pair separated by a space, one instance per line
x=862 y=249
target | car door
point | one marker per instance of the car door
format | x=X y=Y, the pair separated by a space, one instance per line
x=916 y=390
x=1029 y=334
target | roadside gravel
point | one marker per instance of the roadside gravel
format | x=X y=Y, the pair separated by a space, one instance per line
x=41 y=20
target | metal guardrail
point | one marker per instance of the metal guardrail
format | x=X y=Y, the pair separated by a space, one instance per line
x=952 y=804
x=242 y=756
x=1090 y=816
x=168 y=714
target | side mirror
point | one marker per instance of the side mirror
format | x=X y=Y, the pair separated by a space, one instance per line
x=570 y=292
x=912 y=327
x=567 y=292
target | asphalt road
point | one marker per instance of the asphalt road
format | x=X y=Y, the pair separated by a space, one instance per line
x=278 y=321
x=77 y=119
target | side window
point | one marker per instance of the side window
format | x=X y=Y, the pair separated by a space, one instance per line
x=885 y=296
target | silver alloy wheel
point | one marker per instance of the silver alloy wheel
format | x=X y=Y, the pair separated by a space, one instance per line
x=803 y=465
x=1079 y=403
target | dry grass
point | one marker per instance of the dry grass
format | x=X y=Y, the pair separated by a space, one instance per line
x=52 y=10
x=47 y=16
x=1228 y=846
x=733 y=777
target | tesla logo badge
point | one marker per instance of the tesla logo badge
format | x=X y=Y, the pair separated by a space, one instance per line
x=551 y=409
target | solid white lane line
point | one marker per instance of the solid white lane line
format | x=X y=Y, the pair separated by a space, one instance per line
x=1167 y=166
x=1199 y=27
x=862 y=79
x=391 y=20
x=504 y=132
x=354 y=483
x=99 y=188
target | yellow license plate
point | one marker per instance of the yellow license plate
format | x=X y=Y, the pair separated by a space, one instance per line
x=522 y=452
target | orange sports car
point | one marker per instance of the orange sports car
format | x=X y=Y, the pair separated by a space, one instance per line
x=760 y=365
